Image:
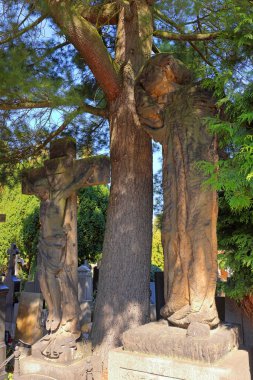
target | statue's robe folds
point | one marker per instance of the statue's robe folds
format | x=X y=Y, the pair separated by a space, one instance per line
x=176 y=119
x=55 y=184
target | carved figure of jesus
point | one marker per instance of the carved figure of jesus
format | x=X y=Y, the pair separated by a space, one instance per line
x=55 y=185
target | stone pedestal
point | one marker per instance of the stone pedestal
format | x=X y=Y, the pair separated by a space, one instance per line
x=66 y=367
x=32 y=368
x=157 y=351
x=3 y=293
x=198 y=344
x=126 y=365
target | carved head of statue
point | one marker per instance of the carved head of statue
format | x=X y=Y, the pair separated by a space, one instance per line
x=162 y=74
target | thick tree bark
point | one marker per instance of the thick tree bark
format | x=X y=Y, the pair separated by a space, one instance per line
x=123 y=292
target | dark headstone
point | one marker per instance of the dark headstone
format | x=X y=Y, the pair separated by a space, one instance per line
x=159 y=292
x=2 y=218
x=3 y=293
x=220 y=305
x=13 y=283
x=95 y=278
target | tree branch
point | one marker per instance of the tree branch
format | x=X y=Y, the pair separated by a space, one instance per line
x=100 y=15
x=181 y=30
x=186 y=37
x=25 y=104
x=70 y=117
x=29 y=151
x=85 y=37
x=22 y=31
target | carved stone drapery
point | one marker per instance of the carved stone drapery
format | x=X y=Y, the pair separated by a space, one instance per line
x=55 y=184
x=173 y=110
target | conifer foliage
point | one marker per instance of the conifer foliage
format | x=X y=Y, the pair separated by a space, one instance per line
x=70 y=67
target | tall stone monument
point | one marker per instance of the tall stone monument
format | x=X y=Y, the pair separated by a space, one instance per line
x=55 y=184
x=13 y=283
x=173 y=110
x=3 y=293
x=85 y=294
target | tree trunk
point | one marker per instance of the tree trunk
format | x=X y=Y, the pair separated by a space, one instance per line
x=123 y=290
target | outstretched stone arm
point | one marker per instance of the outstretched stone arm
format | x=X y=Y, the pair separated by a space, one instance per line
x=89 y=171
x=34 y=182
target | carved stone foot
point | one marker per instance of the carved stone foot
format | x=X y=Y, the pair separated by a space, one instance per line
x=170 y=308
x=53 y=322
x=57 y=344
x=183 y=317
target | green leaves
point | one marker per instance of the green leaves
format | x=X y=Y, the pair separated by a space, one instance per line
x=157 y=249
x=91 y=222
x=235 y=240
x=19 y=209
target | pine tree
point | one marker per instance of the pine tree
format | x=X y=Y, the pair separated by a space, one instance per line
x=64 y=60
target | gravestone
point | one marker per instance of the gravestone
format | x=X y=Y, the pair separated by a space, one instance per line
x=159 y=292
x=29 y=325
x=2 y=218
x=55 y=184
x=33 y=286
x=95 y=278
x=13 y=283
x=85 y=293
x=3 y=293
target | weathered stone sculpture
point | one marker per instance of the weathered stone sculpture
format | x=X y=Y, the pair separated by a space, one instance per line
x=173 y=110
x=55 y=184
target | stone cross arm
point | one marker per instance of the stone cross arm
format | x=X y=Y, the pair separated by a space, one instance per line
x=90 y=171
x=33 y=177
x=85 y=172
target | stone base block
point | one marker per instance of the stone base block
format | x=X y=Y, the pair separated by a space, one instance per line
x=82 y=350
x=31 y=368
x=160 y=339
x=2 y=359
x=126 y=365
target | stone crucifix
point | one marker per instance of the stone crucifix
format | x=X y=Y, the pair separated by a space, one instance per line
x=55 y=184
